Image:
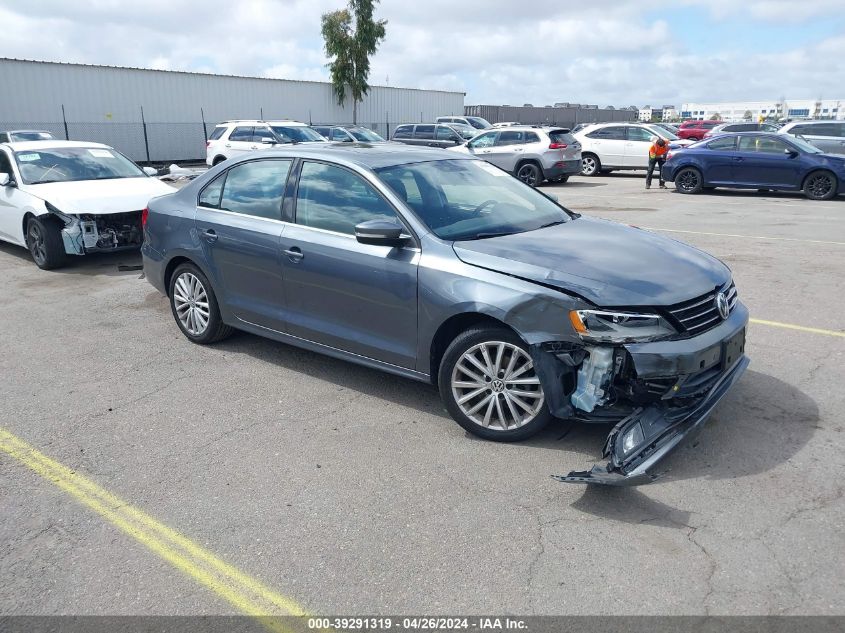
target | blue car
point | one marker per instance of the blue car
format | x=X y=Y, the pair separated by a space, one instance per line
x=754 y=160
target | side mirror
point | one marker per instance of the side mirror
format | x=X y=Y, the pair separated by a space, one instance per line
x=151 y=171
x=790 y=152
x=6 y=180
x=268 y=141
x=457 y=141
x=381 y=233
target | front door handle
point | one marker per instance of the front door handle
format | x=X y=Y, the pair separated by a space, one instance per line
x=209 y=235
x=738 y=159
x=294 y=254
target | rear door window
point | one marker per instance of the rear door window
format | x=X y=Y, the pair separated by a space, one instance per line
x=256 y=188
x=724 y=144
x=510 y=137
x=612 y=132
x=424 y=131
x=241 y=134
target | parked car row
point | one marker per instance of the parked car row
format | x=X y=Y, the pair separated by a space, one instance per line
x=609 y=146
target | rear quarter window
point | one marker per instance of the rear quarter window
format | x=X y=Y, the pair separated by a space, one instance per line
x=403 y=131
x=217 y=133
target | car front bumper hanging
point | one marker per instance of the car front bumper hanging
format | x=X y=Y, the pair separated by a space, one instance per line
x=664 y=429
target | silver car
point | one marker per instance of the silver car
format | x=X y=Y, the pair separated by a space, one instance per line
x=828 y=136
x=532 y=154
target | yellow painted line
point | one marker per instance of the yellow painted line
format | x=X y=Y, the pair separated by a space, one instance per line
x=245 y=593
x=800 y=328
x=750 y=237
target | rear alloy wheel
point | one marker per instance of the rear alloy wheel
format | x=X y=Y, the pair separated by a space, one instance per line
x=688 y=180
x=489 y=386
x=44 y=241
x=820 y=185
x=194 y=306
x=590 y=165
x=530 y=174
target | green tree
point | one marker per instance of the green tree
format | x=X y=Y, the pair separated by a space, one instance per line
x=351 y=36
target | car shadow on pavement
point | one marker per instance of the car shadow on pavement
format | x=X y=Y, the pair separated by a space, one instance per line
x=95 y=264
x=755 y=193
x=759 y=426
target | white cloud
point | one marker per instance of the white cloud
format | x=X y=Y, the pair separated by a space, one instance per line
x=606 y=52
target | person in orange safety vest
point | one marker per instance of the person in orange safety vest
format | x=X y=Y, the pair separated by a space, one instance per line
x=657 y=156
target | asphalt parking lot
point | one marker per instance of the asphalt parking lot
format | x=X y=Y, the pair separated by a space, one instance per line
x=349 y=491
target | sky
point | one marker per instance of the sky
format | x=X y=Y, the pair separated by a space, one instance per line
x=603 y=52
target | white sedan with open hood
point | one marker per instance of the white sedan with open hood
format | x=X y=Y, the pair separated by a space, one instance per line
x=60 y=198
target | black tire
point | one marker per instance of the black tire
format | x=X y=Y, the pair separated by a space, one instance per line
x=590 y=165
x=215 y=330
x=561 y=180
x=454 y=353
x=689 y=180
x=530 y=174
x=217 y=160
x=820 y=185
x=44 y=241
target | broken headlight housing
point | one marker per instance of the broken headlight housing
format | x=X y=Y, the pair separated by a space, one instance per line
x=604 y=326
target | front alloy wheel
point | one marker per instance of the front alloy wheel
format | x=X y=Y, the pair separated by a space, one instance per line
x=495 y=386
x=489 y=386
x=820 y=185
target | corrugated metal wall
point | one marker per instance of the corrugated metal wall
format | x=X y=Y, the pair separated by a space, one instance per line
x=103 y=103
x=565 y=117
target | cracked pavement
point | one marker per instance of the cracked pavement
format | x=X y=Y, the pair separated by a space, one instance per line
x=354 y=493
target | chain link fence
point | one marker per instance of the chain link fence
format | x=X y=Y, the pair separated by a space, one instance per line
x=146 y=142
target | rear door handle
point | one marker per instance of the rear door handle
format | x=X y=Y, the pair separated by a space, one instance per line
x=228 y=145
x=209 y=235
x=294 y=254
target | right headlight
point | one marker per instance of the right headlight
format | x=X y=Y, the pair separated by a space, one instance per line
x=603 y=326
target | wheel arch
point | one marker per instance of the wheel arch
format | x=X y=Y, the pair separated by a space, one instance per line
x=823 y=170
x=533 y=161
x=175 y=262
x=451 y=328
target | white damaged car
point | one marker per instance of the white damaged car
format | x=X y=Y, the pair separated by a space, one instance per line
x=60 y=198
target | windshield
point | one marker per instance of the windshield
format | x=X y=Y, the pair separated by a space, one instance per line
x=297 y=134
x=664 y=133
x=363 y=134
x=470 y=199
x=478 y=123
x=32 y=136
x=69 y=164
x=801 y=143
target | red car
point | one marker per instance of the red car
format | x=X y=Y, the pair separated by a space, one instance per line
x=695 y=130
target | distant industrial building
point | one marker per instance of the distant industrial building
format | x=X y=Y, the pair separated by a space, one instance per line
x=780 y=109
x=155 y=115
x=561 y=113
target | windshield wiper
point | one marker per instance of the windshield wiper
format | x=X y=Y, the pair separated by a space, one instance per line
x=485 y=235
x=555 y=223
x=44 y=182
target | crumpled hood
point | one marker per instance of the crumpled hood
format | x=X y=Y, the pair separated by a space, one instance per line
x=609 y=264
x=99 y=197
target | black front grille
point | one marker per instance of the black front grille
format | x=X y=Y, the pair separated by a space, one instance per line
x=700 y=314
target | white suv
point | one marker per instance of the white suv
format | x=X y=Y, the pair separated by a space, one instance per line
x=608 y=146
x=231 y=138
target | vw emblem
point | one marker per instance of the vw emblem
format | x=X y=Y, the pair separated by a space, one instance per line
x=498 y=386
x=722 y=305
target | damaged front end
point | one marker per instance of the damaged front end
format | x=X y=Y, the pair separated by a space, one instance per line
x=657 y=392
x=93 y=233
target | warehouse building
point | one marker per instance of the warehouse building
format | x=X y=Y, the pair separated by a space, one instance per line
x=164 y=116
x=562 y=114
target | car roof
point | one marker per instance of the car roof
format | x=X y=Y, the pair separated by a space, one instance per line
x=372 y=156
x=260 y=122
x=794 y=123
x=19 y=131
x=19 y=146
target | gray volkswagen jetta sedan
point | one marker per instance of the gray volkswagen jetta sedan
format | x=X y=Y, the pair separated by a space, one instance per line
x=444 y=268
